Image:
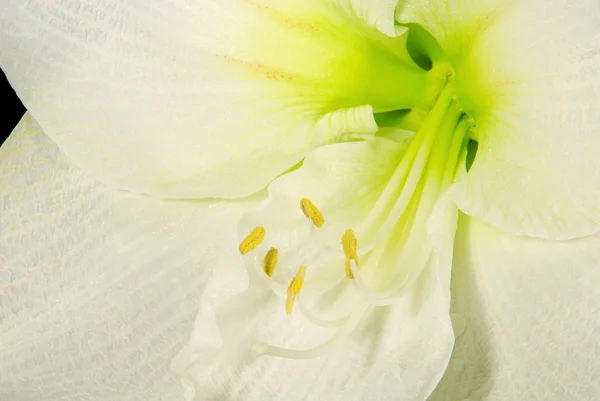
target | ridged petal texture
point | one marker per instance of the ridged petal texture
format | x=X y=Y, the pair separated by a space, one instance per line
x=192 y=99
x=98 y=288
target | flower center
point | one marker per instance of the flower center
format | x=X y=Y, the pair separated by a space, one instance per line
x=394 y=244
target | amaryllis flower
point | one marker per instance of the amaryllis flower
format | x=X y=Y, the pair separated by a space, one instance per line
x=301 y=200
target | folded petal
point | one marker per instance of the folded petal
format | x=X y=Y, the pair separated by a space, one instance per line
x=529 y=74
x=98 y=288
x=526 y=318
x=203 y=99
x=396 y=352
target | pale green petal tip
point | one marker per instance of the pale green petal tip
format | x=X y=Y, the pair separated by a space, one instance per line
x=532 y=106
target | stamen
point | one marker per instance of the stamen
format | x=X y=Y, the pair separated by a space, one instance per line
x=349 y=244
x=293 y=289
x=311 y=212
x=254 y=239
x=261 y=349
x=270 y=261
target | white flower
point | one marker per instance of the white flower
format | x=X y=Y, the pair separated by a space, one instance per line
x=218 y=99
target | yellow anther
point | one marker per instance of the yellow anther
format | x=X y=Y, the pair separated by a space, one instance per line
x=349 y=244
x=293 y=289
x=270 y=261
x=310 y=210
x=348 y=269
x=254 y=239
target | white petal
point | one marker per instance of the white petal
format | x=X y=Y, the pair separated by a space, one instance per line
x=530 y=314
x=396 y=352
x=529 y=73
x=182 y=98
x=98 y=288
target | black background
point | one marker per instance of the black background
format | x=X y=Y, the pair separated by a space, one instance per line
x=12 y=108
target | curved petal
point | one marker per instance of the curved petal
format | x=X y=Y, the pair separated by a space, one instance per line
x=526 y=314
x=529 y=73
x=341 y=348
x=342 y=180
x=96 y=283
x=202 y=99
x=396 y=352
x=377 y=13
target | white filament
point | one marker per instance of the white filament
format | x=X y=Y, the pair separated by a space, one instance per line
x=317 y=320
x=261 y=349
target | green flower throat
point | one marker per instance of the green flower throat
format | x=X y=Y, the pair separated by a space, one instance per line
x=417 y=90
